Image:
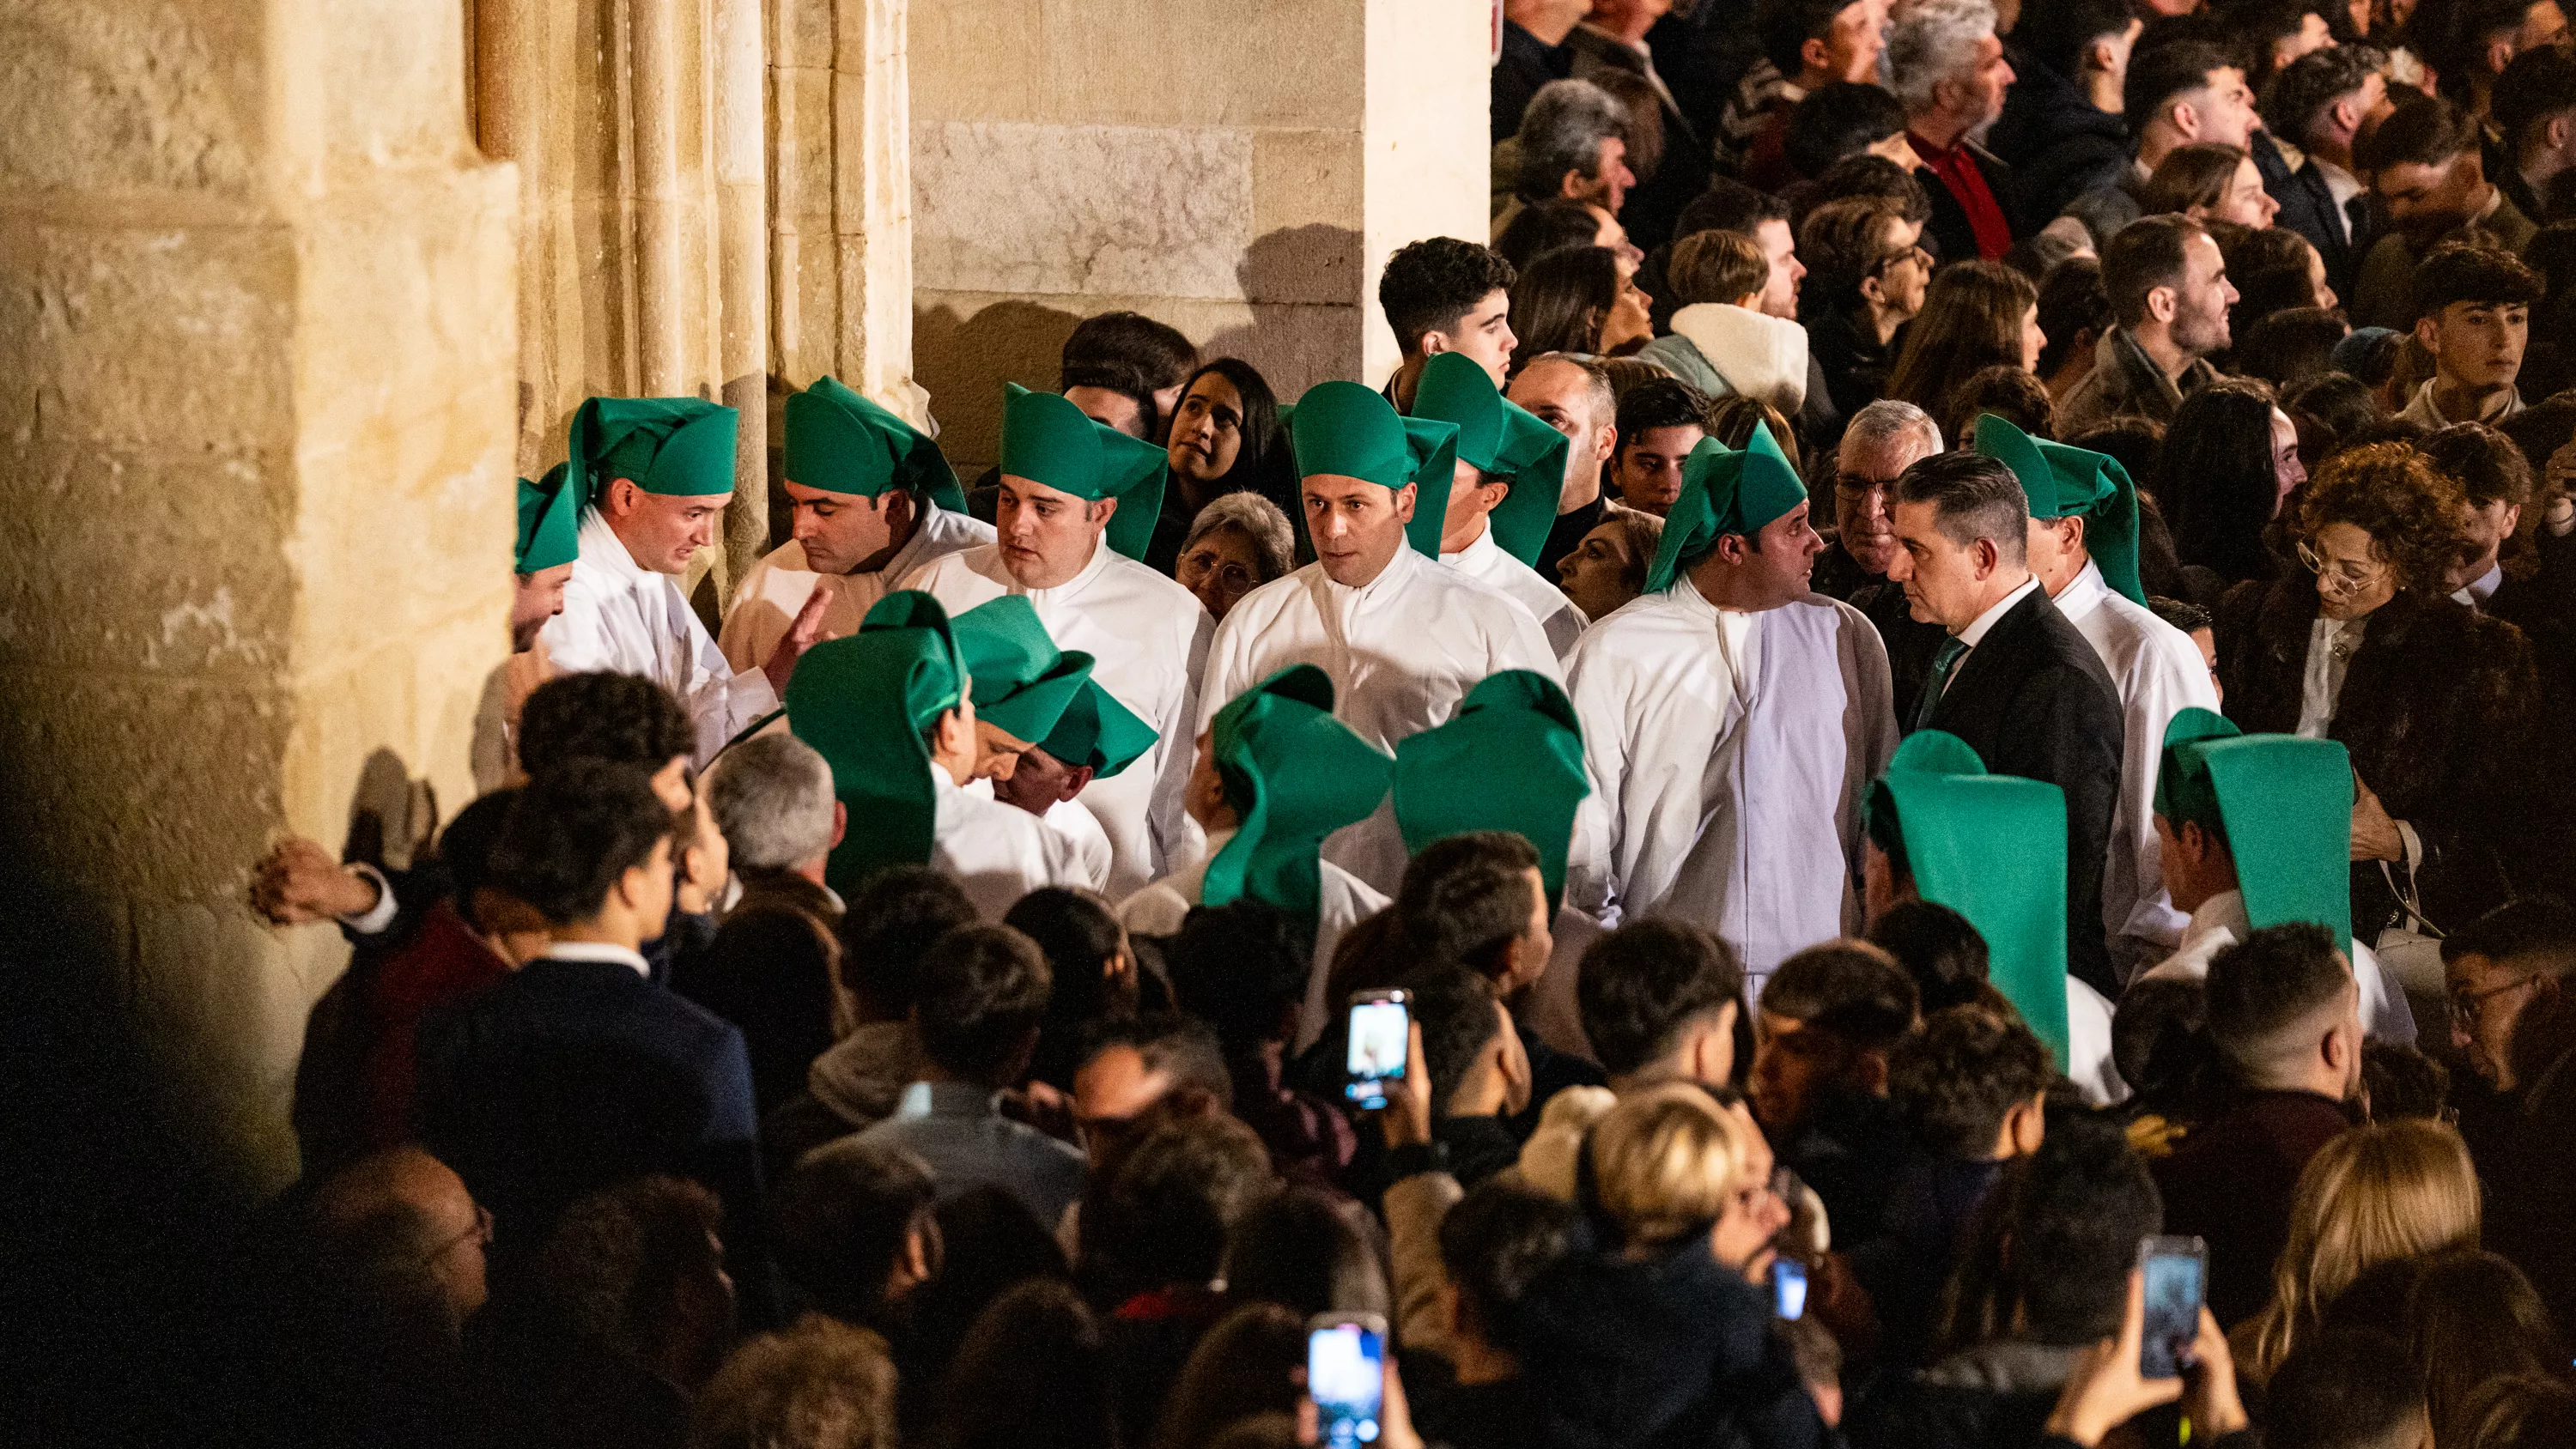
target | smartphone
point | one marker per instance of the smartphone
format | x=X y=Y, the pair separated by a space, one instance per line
x=1380 y=1037
x=1788 y=1288
x=1346 y=1376
x=2176 y=1271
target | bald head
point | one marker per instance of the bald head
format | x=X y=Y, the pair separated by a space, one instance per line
x=405 y=1219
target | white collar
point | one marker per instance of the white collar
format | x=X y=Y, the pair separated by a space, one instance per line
x=1091 y=568
x=599 y=544
x=596 y=951
x=1474 y=554
x=2083 y=593
x=1388 y=579
x=1975 y=633
x=2477 y=591
x=2224 y=911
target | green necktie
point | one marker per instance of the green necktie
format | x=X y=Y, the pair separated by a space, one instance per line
x=1943 y=661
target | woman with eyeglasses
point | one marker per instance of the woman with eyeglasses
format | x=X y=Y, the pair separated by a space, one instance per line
x=1866 y=277
x=1238 y=543
x=2438 y=704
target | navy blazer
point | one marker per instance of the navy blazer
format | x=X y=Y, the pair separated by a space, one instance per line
x=2308 y=208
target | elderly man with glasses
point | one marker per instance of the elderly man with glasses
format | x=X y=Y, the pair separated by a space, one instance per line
x=2512 y=983
x=1884 y=439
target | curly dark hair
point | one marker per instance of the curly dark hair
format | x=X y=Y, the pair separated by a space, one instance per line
x=2414 y=515
x=1428 y=285
x=625 y=719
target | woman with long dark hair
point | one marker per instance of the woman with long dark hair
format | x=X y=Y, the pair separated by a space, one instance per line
x=2229 y=460
x=1582 y=300
x=1975 y=315
x=1226 y=438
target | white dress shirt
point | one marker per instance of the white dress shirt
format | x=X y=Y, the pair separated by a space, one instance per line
x=626 y=619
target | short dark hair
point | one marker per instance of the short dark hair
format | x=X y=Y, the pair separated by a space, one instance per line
x=1641 y=984
x=1466 y=897
x=2182 y=614
x=1849 y=988
x=2291 y=345
x=2489 y=468
x=1661 y=402
x=1729 y=205
x=2058 y=1238
x=892 y=921
x=2540 y=83
x=1455 y=1009
x=1124 y=379
x=1184 y=1047
x=1785 y=26
x=2151 y=252
x=1840 y=120
x=574 y=832
x=841 y=1219
x=1871 y=175
x=2268 y=985
x=2487 y=276
x=2305 y=87
x=1428 y=285
x=1494 y=1244
x=2345 y=1388
x=1157 y=352
x=1241 y=968
x=1972 y=497
x=2010 y=392
x=1843 y=243
x=1938 y=948
x=2159 y=74
x=1165 y=1216
x=1956 y=1079
x=1303 y=1248
x=2401 y=1081
x=465 y=846
x=2057 y=34
x=1544 y=227
x=625 y=719
x=2160 y=1040
x=2422 y=131
x=2534 y=926
x=611 y=1269
x=2072 y=303
x=983 y=991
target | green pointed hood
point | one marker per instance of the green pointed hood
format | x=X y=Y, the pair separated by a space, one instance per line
x=549 y=523
x=863 y=702
x=1724 y=491
x=2285 y=806
x=1346 y=430
x=2064 y=482
x=1293 y=775
x=1049 y=441
x=1022 y=681
x=840 y=442
x=1098 y=731
x=679 y=447
x=1992 y=848
x=1511 y=759
x=1499 y=436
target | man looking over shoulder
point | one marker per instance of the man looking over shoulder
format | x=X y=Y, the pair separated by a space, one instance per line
x=1446 y=295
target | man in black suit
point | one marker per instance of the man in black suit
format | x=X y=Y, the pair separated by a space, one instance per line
x=2016 y=681
x=2319 y=103
x=577 y=1072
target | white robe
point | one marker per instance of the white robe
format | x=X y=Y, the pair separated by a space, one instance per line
x=1148 y=639
x=998 y=852
x=2088 y=1046
x=624 y=619
x=1343 y=902
x=1090 y=842
x=2221 y=922
x=1730 y=756
x=1486 y=562
x=2159 y=673
x=1402 y=650
x=777 y=586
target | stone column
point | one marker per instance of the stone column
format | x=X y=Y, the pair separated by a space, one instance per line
x=1240 y=172
x=256 y=462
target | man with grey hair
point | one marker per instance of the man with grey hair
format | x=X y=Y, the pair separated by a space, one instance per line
x=1950 y=75
x=1573 y=143
x=1883 y=440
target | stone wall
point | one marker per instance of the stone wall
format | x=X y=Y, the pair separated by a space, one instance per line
x=256 y=360
x=1239 y=171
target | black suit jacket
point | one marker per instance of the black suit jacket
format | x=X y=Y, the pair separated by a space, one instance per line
x=2308 y=208
x=2033 y=700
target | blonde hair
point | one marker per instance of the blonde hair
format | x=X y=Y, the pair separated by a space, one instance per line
x=2378 y=1192
x=1717 y=266
x=1664 y=1162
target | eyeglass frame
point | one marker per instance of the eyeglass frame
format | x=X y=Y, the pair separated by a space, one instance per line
x=480 y=1233
x=2343 y=581
x=2468 y=1008
x=1916 y=252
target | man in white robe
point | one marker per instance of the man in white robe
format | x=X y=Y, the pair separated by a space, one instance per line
x=1502 y=502
x=874 y=501
x=1077 y=508
x=1401 y=637
x=657 y=473
x=1732 y=723
x=1095 y=739
x=2084 y=552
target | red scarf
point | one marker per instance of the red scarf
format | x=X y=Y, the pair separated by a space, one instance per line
x=1958 y=171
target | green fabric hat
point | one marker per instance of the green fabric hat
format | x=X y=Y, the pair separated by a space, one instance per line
x=1511 y=759
x=840 y=442
x=1344 y=429
x=863 y=703
x=1724 y=491
x=1098 y=731
x=1022 y=681
x=549 y=523
x=1293 y=774
x=1992 y=848
x=2285 y=805
x=1499 y=436
x=679 y=447
x=1049 y=441
x=2063 y=482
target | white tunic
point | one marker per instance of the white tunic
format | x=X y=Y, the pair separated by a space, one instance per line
x=998 y=852
x=1148 y=639
x=1090 y=842
x=1343 y=902
x=1730 y=756
x=2221 y=922
x=777 y=586
x=2088 y=1046
x=1402 y=650
x=624 y=619
x=1558 y=618
x=2159 y=673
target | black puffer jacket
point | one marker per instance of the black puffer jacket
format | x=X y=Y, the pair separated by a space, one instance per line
x=2059 y=145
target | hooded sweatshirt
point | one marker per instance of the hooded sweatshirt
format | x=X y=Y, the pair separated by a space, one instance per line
x=1721 y=348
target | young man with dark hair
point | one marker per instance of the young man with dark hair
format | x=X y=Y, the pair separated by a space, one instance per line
x=1939 y=949
x=2512 y=981
x=2425 y=165
x=2173 y=94
x=2497 y=479
x=1131 y=1065
x=1129 y=344
x=1245 y=968
x=2482 y=41
x=1660 y=421
x=1663 y=1000
x=890 y=925
x=1828 y=1019
x=1493 y=1244
x=2321 y=103
x=1479 y=900
x=2061 y=127
x=2535 y=109
x=631 y=1313
x=1446 y=295
x=1476 y=1077
x=983 y=992
x=2167 y=285
x=2473 y=315
x=2285 y=1016
x=1809 y=45
x=1843 y=120
x=855 y=1233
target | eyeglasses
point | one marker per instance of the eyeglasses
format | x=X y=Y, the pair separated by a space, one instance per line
x=479 y=1234
x=2468 y=1006
x=2343 y=575
x=1914 y=253
x=1856 y=485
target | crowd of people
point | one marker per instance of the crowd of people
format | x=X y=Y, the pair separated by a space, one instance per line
x=1941 y=677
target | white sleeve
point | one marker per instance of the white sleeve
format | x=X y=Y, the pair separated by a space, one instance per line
x=374 y=919
x=578 y=640
x=1591 y=882
x=721 y=703
x=1177 y=837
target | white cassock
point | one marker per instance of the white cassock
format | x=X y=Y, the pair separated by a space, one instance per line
x=1344 y=901
x=778 y=586
x=2159 y=673
x=2088 y=1046
x=1486 y=562
x=998 y=852
x=1402 y=650
x=1090 y=842
x=1731 y=756
x=1148 y=639
x=624 y=619
x=2221 y=922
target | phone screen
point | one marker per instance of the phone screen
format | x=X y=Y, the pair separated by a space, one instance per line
x=1378 y=1042
x=1346 y=1376
x=1788 y=1288
x=2172 y=1322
